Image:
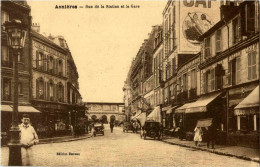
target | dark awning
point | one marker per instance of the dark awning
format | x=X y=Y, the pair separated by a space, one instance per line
x=201 y=104
x=250 y=105
x=182 y=108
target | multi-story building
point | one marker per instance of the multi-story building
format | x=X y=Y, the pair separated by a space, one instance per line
x=230 y=68
x=158 y=67
x=18 y=10
x=106 y=112
x=55 y=90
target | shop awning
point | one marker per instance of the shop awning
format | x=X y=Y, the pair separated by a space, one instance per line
x=141 y=118
x=137 y=114
x=155 y=115
x=170 y=110
x=250 y=105
x=182 y=108
x=27 y=109
x=204 y=122
x=6 y=108
x=201 y=104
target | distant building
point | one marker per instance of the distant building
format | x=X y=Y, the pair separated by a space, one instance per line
x=105 y=111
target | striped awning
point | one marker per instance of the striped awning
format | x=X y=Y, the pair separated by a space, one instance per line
x=250 y=105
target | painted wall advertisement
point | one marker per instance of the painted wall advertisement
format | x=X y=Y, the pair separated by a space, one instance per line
x=195 y=18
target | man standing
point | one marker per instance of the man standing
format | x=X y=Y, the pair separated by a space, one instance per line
x=111 y=126
x=28 y=138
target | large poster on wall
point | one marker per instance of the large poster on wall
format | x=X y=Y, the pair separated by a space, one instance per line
x=195 y=18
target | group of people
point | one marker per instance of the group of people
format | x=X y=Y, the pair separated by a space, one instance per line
x=209 y=135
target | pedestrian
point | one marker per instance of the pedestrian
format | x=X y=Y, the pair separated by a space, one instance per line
x=71 y=130
x=198 y=135
x=211 y=135
x=111 y=126
x=28 y=138
x=181 y=130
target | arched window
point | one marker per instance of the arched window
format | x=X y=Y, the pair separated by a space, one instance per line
x=40 y=88
x=60 y=67
x=50 y=90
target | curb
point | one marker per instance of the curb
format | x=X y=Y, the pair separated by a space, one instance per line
x=214 y=151
x=65 y=140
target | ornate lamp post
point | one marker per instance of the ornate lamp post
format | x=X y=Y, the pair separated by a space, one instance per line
x=16 y=33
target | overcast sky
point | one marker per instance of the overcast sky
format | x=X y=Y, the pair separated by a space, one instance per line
x=102 y=41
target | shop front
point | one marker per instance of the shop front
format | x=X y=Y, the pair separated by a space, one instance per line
x=6 y=118
x=247 y=114
x=207 y=107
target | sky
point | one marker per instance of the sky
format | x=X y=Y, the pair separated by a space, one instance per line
x=103 y=41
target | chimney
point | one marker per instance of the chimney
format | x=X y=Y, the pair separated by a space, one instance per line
x=36 y=27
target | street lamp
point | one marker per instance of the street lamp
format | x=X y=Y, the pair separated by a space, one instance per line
x=16 y=33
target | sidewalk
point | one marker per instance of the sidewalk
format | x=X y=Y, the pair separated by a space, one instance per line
x=233 y=151
x=61 y=139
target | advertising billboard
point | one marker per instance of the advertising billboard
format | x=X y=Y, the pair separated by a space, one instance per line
x=195 y=18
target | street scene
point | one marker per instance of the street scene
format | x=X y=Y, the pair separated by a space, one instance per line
x=125 y=149
x=136 y=83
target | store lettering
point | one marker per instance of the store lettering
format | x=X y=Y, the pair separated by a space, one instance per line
x=198 y=3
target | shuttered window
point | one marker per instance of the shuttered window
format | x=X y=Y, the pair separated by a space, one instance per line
x=252 y=65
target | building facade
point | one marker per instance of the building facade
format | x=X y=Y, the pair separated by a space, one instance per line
x=20 y=11
x=106 y=112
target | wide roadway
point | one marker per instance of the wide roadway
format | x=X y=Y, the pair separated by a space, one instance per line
x=124 y=149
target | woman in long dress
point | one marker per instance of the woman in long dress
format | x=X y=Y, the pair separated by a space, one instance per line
x=198 y=135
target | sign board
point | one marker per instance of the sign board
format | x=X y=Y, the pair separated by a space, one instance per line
x=195 y=18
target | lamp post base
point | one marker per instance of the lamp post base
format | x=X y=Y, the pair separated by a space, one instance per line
x=15 y=157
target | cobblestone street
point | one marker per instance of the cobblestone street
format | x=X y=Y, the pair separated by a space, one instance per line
x=124 y=149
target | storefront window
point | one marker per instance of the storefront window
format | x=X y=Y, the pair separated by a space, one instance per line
x=6 y=89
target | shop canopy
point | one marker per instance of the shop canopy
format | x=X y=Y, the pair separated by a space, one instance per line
x=155 y=115
x=182 y=108
x=141 y=118
x=201 y=104
x=6 y=108
x=22 y=109
x=204 y=122
x=250 y=105
x=136 y=115
x=170 y=110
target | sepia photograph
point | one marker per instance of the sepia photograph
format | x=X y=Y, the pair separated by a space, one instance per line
x=130 y=83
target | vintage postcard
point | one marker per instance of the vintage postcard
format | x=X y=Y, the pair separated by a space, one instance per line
x=130 y=83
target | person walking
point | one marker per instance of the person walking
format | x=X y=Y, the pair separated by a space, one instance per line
x=28 y=138
x=211 y=136
x=111 y=126
x=197 y=136
x=71 y=130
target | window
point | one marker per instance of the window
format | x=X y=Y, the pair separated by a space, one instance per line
x=250 y=18
x=5 y=56
x=212 y=79
x=60 y=67
x=185 y=82
x=218 y=41
x=236 y=30
x=6 y=93
x=51 y=64
x=193 y=79
x=207 y=47
x=173 y=66
x=40 y=88
x=20 y=88
x=232 y=72
x=172 y=95
x=166 y=94
x=247 y=123
x=60 y=93
x=238 y=69
x=207 y=82
x=252 y=65
x=39 y=60
x=4 y=17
